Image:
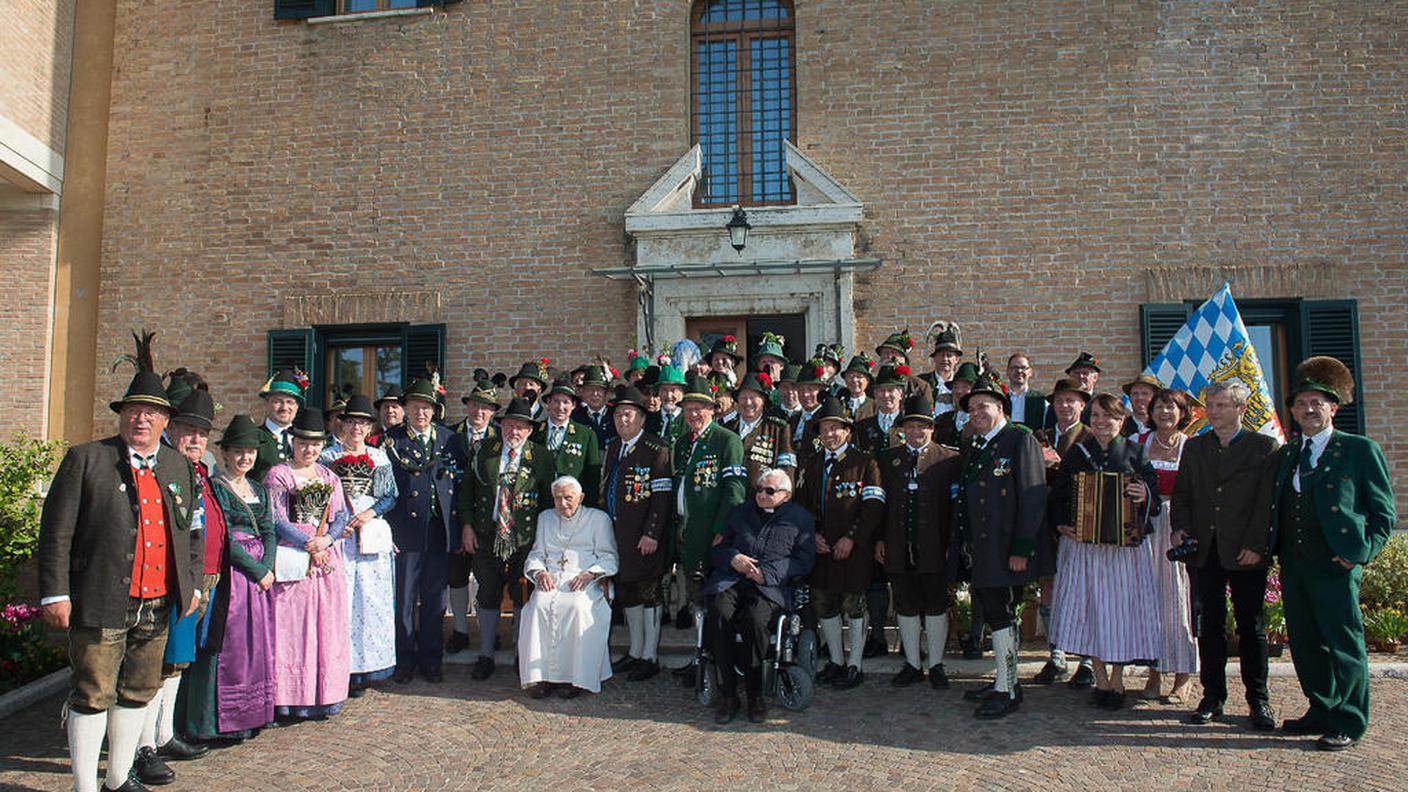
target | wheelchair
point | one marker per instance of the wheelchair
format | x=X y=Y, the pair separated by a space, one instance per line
x=789 y=667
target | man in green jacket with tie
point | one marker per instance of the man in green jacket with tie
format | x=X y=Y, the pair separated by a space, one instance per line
x=1330 y=509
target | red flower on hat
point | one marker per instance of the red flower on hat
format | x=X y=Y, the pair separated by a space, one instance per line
x=632 y=355
x=301 y=379
x=869 y=364
x=542 y=362
x=614 y=372
x=728 y=339
x=764 y=379
x=819 y=371
x=903 y=371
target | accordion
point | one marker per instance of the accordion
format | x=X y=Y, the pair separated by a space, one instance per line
x=1101 y=513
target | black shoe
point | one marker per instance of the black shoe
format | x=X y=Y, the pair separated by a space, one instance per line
x=999 y=706
x=1082 y=679
x=1207 y=712
x=972 y=650
x=852 y=677
x=1263 y=719
x=757 y=709
x=434 y=675
x=1304 y=726
x=180 y=750
x=626 y=663
x=643 y=670
x=568 y=692
x=684 y=619
x=1114 y=700
x=457 y=642
x=1335 y=741
x=483 y=669
x=356 y=692
x=874 y=647
x=981 y=694
x=403 y=675
x=938 y=679
x=907 y=676
x=727 y=708
x=829 y=674
x=132 y=784
x=149 y=768
x=1049 y=674
x=540 y=690
x=1097 y=697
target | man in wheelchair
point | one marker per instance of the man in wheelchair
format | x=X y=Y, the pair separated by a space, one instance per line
x=765 y=546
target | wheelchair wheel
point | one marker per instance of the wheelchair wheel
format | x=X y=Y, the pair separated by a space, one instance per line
x=795 y=687
x=706 y=685
x=806 y=651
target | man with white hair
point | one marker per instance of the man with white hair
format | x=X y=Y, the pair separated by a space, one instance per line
x=562 y=637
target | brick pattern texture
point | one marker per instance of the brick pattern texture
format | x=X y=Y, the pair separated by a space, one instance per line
x=26 y=255
x=37 y=39
x=1022 y=166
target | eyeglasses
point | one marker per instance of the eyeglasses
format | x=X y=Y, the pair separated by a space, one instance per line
x=769 y=490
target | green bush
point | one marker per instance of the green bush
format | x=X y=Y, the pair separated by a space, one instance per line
x=1385 y=625
x=1385 y=583
x=24 y=463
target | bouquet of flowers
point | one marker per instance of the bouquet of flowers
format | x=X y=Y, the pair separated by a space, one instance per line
x=310 y=501
x=355 y=471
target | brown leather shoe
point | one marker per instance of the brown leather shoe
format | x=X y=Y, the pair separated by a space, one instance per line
x=727 y=709
x=757 y=709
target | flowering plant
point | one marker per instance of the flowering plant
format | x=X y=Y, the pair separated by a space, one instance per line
x=24 y=657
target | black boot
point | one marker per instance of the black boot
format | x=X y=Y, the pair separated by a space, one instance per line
x=150 y=769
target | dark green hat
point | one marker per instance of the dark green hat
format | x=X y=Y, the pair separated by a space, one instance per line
x=918 y=407
x=831 y=410
x=967 y=372
x=145 y=388
x=1325 y=375
x=831 y=352
x=899 y=342
x=285 y=383
x=699 y=390
x=422 y=389
x=536 y=370
x=180 y=383
x=631 y=396
x=669 y=375
x=1067 y=385
x=861 y=364
x=334 y=410
x=946 y=338
x=897 y=376
x=359 y=406
x=596 y=374
x=986 y=385
x=308 y=424
x=1084 y=359
x=518 y=408
x=727 y=345
x=241 y=433
x=813 y=373
x=757 y=381
x=636 y=361
x=790 y=373
x=561 y=386
x=770 y=345
x=483 y=393
x=197 y=409
x=391 y=395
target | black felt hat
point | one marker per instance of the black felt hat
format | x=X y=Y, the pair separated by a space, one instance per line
x=518 y=408
x=197 y=409
x=918 y=407
x=359 y=406
x=308 y=424
x=987 y=386
x=630 y=395
x=146 y=388
x=241 y=433
x=831 y=410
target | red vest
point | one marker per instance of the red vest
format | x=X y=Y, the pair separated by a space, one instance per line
x=151 y=563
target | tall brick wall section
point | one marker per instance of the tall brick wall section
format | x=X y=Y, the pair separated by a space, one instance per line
x=36 y=37
x=26 y=256
x=1022 y=166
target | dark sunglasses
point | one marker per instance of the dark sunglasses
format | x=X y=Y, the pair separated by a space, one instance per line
x=769 y=490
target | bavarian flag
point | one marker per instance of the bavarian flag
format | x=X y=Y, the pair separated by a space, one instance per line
x=1214 y=347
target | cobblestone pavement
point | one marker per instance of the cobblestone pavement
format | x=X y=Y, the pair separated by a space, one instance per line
x=488 y=735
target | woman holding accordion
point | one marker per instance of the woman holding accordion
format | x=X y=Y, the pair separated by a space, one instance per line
x=1105 y=605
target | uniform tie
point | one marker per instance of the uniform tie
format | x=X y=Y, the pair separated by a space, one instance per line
x=1305 y=468
x=503 y=507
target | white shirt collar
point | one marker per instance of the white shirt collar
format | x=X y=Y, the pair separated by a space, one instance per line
x=138 y=460
x=998 y=427
x=1318 y=440
x=838 y=452
x=275 y=428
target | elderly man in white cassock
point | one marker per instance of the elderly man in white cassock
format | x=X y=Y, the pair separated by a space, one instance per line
x=562 y=637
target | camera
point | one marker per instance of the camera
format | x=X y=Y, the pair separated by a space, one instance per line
x=1185 y=551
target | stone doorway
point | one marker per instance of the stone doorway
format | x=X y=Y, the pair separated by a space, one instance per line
x=705 y=330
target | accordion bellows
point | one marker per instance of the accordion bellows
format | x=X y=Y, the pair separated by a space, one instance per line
x=1101 y=513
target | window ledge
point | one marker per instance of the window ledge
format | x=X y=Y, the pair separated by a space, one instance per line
x=363 y=15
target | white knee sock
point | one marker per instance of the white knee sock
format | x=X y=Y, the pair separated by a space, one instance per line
x=124 y=732
x=635 y=625
x=1004 y=650
x=650 y=634
x=936 y=631
x=459 y=608
x=149 y=721
x=909 y=639
x=166 y=726
x=831 y=631
x=85 y=743
x=857 y=647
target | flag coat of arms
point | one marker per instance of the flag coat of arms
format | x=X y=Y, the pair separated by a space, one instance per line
x=1214 y=346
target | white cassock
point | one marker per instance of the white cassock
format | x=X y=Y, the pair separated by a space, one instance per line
x=563 y=634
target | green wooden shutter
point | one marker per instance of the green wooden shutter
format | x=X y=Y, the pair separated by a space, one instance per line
x=429 y=3
x=304 y=9
x=1331 y=327
x=1158 y=323
x=297 y=349
x=421 y=344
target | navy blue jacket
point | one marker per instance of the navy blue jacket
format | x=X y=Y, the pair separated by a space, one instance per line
x=420 y=476
x=783 y=543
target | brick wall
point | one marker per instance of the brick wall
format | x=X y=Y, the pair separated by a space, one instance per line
x=1026 y=162
x=37 y=41
x=26 y=255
